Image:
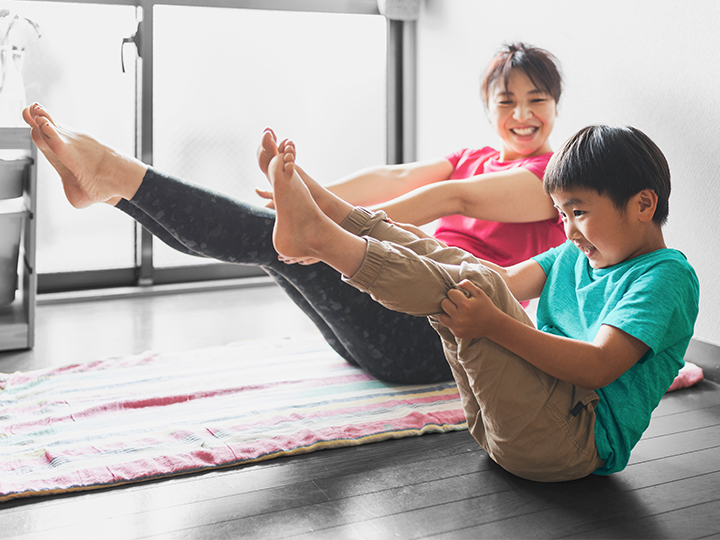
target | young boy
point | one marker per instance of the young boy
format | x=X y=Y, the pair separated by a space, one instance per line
x=615 y=315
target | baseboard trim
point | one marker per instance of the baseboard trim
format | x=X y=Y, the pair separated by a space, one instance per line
x=152 y=290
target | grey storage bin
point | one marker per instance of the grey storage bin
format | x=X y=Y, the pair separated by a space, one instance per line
x=12 y=177
x=12 y=214
x=18 y=277
x=11 y=225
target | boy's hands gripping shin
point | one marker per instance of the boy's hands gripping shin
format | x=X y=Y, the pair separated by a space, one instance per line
x=468 y=311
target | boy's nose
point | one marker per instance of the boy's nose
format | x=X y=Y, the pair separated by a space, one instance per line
x=571 y=231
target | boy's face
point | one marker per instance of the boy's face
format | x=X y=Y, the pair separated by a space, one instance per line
x=606 y=235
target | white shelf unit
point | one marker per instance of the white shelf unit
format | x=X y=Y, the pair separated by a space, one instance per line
x=17 y=320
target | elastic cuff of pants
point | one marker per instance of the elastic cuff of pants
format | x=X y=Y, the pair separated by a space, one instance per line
x=372 y=266
x=148 y=179
x=361 y=220
x=123 y=204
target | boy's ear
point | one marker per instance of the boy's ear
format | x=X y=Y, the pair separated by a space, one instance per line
x=646 y=202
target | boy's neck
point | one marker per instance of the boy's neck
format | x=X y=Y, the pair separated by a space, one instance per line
x=652 y=240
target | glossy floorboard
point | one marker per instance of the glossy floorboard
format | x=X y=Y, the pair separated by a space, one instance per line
x=440 y=486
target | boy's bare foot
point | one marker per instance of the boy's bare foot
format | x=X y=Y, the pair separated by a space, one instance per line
x=330 y=204
x=295 y=231
x=301 y=228
x=90 y=172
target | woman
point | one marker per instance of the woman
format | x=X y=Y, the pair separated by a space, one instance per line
x=490 y=203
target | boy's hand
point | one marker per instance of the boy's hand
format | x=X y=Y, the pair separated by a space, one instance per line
x=467 y=316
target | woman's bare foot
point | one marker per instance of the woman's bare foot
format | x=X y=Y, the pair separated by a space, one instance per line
x=267 y=150
x=73 y=192
x=301 y=228
x=90 y=172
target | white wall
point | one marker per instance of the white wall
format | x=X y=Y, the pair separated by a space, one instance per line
x=653 y=64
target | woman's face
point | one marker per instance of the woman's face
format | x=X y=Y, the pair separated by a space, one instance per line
x=522 y=115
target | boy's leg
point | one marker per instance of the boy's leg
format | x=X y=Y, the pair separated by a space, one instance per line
x=530 y=423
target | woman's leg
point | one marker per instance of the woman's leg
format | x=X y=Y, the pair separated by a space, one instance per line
x=389 y=345
x=163 y=235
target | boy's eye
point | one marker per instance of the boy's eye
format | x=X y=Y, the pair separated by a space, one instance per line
x=578 y=213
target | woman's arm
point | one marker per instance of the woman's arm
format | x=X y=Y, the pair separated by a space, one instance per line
x=379 y=184
x=513 y=196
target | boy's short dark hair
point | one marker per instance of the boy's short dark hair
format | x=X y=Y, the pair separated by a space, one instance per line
x=540 y=66
x=615 y=161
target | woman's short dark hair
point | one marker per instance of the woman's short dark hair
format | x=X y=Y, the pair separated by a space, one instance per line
x=540 y=66
x=615 y=161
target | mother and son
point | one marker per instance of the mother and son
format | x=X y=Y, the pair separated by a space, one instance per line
x=616 y=307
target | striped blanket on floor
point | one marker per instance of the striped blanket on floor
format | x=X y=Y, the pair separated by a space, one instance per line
x=149 y=416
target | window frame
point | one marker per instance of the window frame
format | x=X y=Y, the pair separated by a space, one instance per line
x=400 y=130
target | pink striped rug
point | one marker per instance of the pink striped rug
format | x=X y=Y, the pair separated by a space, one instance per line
x=149 y=416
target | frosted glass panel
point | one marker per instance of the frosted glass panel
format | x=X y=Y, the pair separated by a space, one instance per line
x=74 y=70
x=223 y=75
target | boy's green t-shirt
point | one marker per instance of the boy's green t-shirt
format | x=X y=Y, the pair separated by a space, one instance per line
x=654 y=298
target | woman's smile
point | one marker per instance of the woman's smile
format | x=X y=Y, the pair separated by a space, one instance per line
x=523 y=116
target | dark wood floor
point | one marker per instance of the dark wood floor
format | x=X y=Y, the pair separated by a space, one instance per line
x=432 y=486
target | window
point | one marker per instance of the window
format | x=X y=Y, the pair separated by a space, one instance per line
x=222 y=75
x=319 y=77
x=74 y=70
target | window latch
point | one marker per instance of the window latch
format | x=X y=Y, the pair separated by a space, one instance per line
x=135 y=38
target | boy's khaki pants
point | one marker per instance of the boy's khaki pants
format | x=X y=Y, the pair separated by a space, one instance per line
x=531 y=424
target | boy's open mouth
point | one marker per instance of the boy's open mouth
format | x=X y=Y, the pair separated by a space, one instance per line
x=588 y=250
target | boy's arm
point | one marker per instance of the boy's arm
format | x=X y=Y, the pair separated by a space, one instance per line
x=588 y=365
x=513 y=196
x=525 y=280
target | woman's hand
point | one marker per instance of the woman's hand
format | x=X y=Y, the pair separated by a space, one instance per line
x=468 y=312
x=294 y=260
x=417 y=231
x=267 y=195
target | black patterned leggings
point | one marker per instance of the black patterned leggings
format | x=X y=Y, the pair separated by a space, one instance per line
x=389 y=345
